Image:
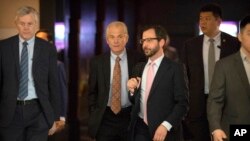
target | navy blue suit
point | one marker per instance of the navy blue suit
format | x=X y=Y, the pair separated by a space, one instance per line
x=63 y=91
x=44 y=72
x=167 y=99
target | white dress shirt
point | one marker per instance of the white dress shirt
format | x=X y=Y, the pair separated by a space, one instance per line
x=246 y=62
x=206 y=44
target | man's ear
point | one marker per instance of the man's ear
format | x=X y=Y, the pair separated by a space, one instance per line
x=239 y=36
x=162 y=43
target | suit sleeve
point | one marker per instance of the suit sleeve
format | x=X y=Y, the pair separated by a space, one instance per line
x=180 y=96
x=216 y=97
x=63 y=89
x=137 y=72
x=53 y=83
x=93 y=86
x=184 y=60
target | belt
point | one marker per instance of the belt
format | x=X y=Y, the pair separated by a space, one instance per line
x=27 y=102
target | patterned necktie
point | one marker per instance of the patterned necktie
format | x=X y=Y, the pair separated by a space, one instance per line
x=211 y=60
x=149 y=81
x=23 y=82
x=116 y=87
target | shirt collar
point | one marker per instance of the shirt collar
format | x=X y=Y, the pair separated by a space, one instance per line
x=216 y=38
x=157 y=61
x=244 y=56
x=30 y=41
x=122 y=55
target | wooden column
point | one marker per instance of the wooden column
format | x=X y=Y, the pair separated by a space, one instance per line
x=73 y=60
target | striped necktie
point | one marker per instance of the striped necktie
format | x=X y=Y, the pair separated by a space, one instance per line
x=23 y=82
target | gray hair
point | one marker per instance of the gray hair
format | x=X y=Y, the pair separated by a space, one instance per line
x=117 y=24
x=25 y=10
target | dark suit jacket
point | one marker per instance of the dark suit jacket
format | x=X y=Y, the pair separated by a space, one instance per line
x=167 y=99
x=229 y=97
x=44 y=71
x=192 y=57
x=99 y=84
x=63 y=91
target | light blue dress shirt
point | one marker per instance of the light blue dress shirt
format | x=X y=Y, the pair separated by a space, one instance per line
x=124 y=74
x=31 y=88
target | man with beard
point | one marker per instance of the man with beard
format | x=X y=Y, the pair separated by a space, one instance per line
x=158 y=92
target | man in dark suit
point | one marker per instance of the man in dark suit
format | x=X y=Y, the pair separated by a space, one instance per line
x=196 y=58
x=28 y=82
x=160 y=102
x=228 y=101
x=170 y=51
x=109 y=117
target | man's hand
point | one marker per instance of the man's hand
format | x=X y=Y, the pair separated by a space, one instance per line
x=219 y=135
x=60 y=125
x=160 y=133
x=52 y=130
x=133 y=84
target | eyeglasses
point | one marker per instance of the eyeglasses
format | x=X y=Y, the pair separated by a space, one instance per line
x=148 y=40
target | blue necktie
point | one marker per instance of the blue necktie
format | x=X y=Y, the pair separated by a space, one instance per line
x=23 y=82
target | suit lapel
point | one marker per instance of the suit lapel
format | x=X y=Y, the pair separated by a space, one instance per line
x=130 y=63
x=162 y=70
x=199 y=53
x=223 y=45
x=241 y=71
x=36 y=53
x=15 y=49
x=200 y=44
x=227 y=47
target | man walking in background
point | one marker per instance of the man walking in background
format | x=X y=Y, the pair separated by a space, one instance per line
x=199 y=56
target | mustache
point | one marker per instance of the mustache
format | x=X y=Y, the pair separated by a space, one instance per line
x=146 y=48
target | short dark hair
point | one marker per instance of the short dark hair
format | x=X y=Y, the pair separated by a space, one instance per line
x=212 y=7
x=244 y=22
x=160 y=31
x=49 y=35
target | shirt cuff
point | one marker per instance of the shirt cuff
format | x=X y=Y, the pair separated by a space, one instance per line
x=63 y=118
x=167 y=125
x=131 y=94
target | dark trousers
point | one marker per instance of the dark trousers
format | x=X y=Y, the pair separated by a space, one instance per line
x=114 y=127
x=199 y=130
x=142 y=131
x=28 y=124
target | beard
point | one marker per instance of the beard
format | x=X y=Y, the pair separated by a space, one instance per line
x=151 y=52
